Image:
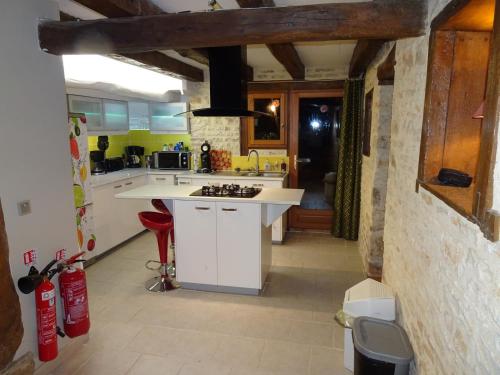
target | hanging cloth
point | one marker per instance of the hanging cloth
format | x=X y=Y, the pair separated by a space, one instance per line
x=348 y=188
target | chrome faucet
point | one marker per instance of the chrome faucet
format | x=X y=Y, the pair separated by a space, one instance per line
x=257 y=164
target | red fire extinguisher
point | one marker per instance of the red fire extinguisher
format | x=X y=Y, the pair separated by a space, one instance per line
x=45 y=297
x=45 y=300
x=73 y=289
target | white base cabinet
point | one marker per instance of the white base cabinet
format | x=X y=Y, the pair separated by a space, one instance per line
x=278 y=227
x=115 y=219
x=238 y=236
x=221 y=244
x=195 y=242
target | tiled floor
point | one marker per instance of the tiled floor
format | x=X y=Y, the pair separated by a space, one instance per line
x=289 y=330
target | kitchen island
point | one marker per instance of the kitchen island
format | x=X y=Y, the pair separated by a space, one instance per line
x=221 y=243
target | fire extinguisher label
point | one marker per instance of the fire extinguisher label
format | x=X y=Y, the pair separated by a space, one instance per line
x=76 y=301
x=49 y=295
x=46 y=325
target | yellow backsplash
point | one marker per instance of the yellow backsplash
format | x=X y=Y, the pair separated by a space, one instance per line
x=150 y=142
x=155 y=142
x=243 y=162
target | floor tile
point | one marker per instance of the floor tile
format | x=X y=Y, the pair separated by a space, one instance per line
x=109 y=362
x=290 y=329
x=155 y=365
x=240 y=351
x=312 y=333
x=327 y=361
x=286 y=357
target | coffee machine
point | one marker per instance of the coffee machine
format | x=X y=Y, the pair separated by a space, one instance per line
x=97 y=166
x=134 y=154
x=98 y=157
x=206 y=164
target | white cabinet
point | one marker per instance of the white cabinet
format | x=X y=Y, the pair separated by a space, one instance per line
x=196 y=242
x=238 y=238
x=138 y=115
x=115 y=115
x=161 y=179
x=103 y=115
x=184 y=181
x=221 y=244
x=278 y=227
x=164 y=119
x=91 y=107
x=116 y=219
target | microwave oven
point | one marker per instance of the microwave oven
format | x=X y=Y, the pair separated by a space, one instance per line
x=172 y=160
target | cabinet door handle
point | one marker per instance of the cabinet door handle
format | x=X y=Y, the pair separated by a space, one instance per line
x=203 y=208
x=117 y=186
x=128 y=183
x=257 y=185
x=160 y=178
x=229 y=209
x=184 y=183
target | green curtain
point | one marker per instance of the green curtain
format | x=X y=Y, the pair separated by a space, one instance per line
x=348 y=188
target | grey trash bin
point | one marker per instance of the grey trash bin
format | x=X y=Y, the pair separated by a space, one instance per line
x=380 y=348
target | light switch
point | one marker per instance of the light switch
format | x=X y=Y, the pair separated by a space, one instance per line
x=24 y=207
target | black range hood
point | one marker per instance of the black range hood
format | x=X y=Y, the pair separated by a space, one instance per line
x=228 y=84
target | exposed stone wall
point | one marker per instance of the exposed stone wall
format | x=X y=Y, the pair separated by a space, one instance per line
x=445 y=274
x=375 y=170
x=221 y=132
x=314 y=73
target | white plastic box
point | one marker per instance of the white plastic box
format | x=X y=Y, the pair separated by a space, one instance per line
x=367 y=298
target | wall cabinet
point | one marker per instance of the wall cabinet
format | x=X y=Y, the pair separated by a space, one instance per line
x=115 y=115
x=267 y=131
x=138 y=115
x=164 y=119
x=103 y=115
x=91 y=107
x=278 y=227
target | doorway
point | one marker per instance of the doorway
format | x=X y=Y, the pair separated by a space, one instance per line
x=314 y=134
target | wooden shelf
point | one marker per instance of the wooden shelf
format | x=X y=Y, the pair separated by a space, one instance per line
x=460 y=199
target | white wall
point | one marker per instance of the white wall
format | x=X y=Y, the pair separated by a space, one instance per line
x=34 y=150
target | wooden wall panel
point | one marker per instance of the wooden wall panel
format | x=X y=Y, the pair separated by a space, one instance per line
x=436 y=104
x=467 y=90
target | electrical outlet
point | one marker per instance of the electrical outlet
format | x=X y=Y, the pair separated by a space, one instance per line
x=24 y=207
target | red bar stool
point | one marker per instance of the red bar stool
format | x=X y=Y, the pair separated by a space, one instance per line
x=160 y=206
x=161 y=224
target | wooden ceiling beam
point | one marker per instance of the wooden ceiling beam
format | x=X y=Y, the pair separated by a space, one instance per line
x=285 y=53
x=386 y=71
x=130 y=8
x=336 y=21
x=364 y=53
x=156 y=61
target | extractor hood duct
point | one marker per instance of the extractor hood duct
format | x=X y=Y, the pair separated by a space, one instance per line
x=228 y=84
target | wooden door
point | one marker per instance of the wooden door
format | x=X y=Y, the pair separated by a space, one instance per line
x=313 y=151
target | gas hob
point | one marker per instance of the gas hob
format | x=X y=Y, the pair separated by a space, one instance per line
x=227 y=191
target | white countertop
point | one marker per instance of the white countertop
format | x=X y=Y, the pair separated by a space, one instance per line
x=182 y=192
x=113 y=177
x=232 y=176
